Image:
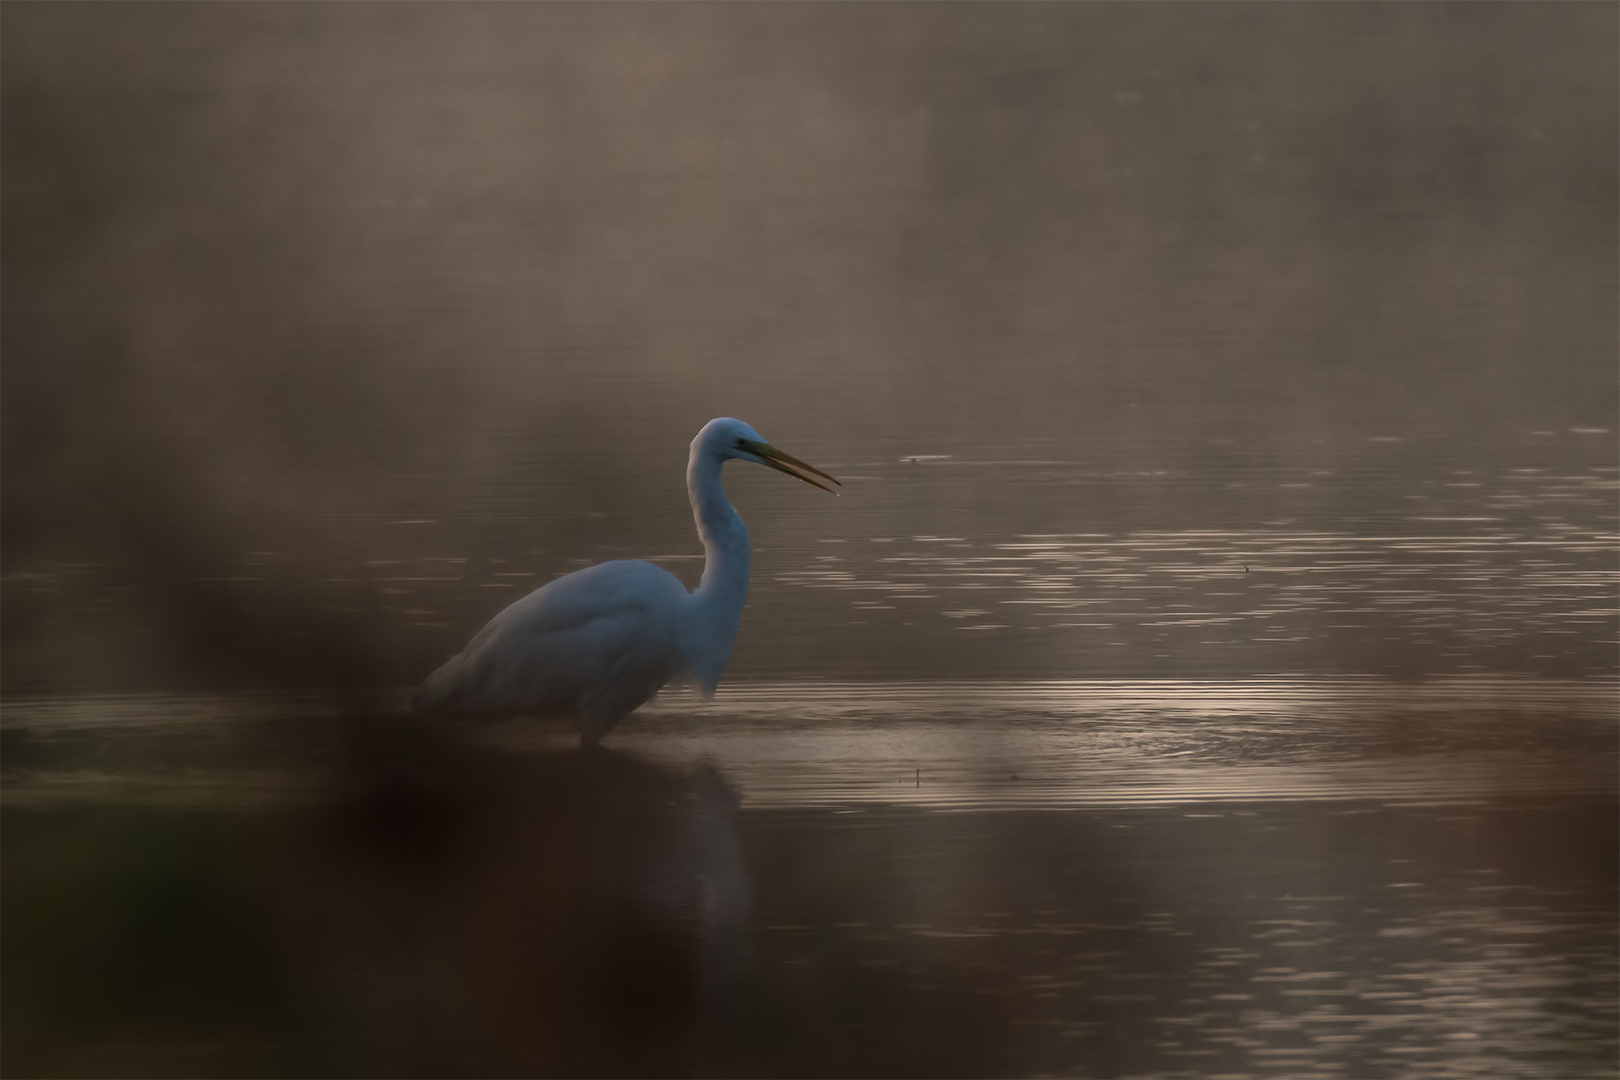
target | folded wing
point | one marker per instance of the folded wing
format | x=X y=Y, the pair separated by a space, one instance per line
x=595 y=643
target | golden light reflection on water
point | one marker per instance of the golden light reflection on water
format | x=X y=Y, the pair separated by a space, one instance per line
x=1467 y=585
x=1074 y=744
x=939 y=745
x=951 y=570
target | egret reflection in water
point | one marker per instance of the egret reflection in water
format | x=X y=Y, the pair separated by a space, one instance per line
x=468 y=911
x=599 y=642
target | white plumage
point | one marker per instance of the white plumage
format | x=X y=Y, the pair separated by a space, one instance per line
x=599 y=642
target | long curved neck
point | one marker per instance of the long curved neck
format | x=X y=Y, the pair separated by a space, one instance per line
x=725 y=540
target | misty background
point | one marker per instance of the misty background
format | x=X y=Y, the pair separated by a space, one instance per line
x=331 y=328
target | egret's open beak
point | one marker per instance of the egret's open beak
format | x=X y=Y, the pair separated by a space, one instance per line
x=787 y=463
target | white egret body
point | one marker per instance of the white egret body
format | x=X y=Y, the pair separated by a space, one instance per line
x=597 y=643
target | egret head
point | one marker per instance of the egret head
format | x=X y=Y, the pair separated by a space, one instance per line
x=727 y=438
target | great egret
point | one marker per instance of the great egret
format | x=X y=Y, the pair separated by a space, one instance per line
x=599 y=642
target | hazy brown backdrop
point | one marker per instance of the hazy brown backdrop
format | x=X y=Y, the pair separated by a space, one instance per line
x=282 y=277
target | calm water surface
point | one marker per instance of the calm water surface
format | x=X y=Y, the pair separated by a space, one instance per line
x=1023 y=767
x=1410 y=564
x=1249 y=877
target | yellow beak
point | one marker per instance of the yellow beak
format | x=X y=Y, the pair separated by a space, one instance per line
x=785 y=462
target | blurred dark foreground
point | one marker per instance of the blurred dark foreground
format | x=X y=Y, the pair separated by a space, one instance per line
x=427 y=907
